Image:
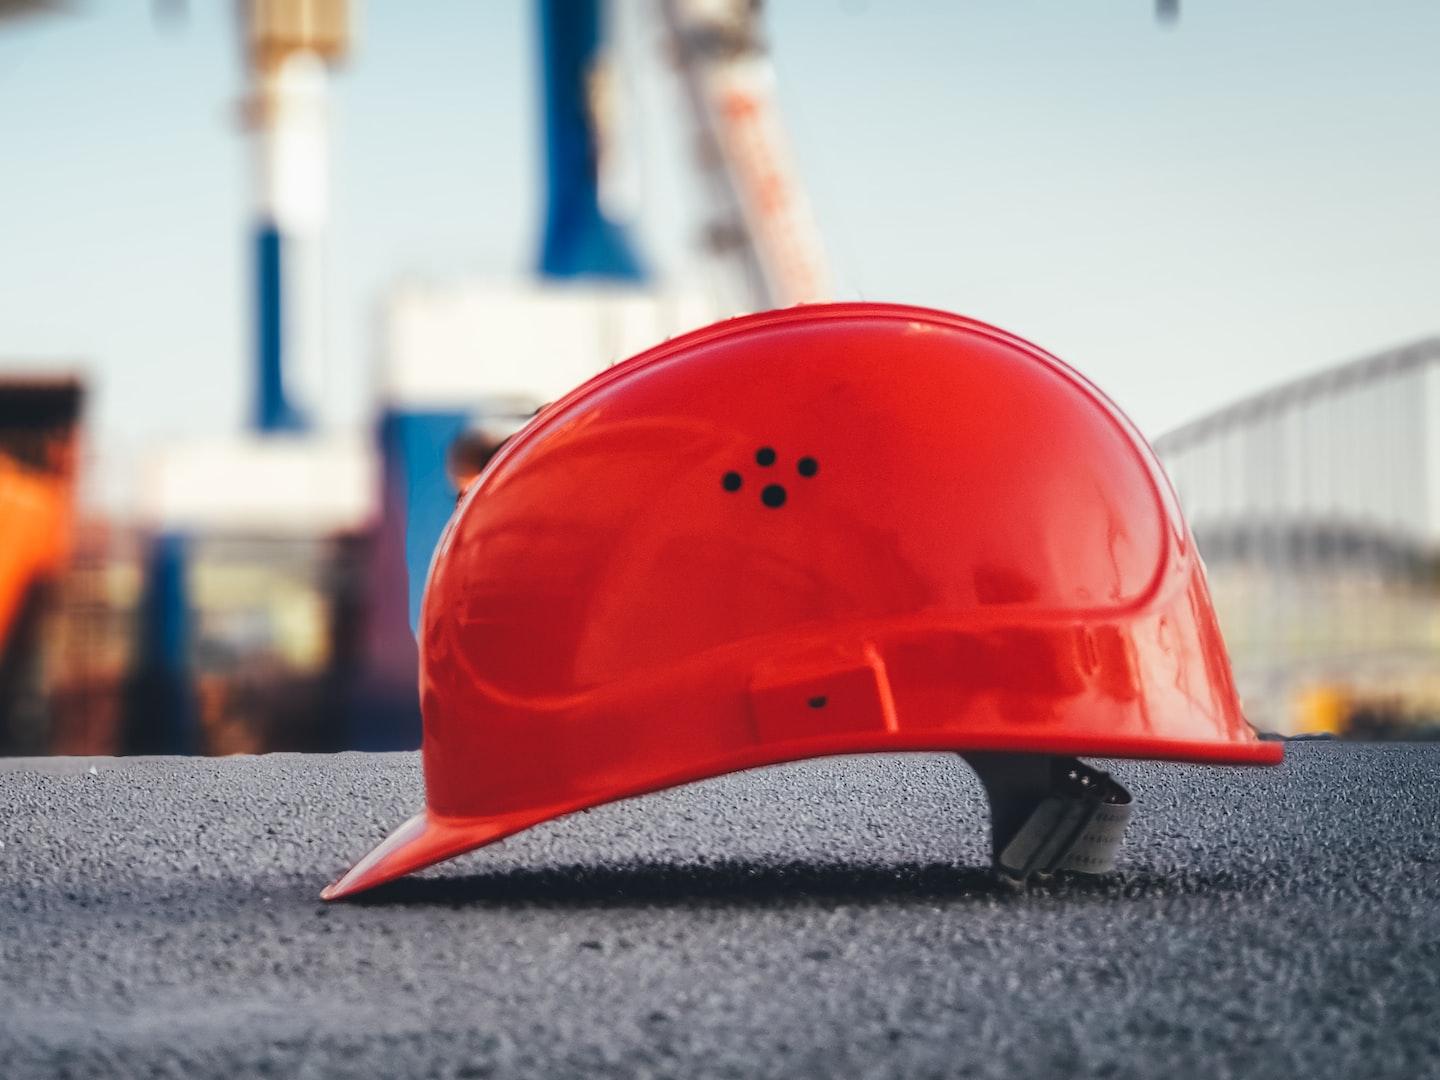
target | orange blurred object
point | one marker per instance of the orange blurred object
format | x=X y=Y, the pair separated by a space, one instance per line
x=35 y=536
x=37 y=454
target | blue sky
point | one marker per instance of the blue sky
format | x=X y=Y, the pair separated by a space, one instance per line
x=1186 y=213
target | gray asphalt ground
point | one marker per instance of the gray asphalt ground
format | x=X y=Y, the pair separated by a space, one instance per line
x=161 y=918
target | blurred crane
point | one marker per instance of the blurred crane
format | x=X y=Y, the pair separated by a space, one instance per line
x=761 y=218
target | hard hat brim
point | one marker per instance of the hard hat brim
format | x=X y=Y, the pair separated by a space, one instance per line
x=422 y=841
x=429 y=838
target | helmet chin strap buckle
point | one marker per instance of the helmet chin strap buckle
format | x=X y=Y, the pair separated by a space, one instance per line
x=1049 y=814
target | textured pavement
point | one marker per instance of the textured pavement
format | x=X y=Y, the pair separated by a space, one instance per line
x=161 y=918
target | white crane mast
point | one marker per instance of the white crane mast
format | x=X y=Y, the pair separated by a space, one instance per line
x=764 y=218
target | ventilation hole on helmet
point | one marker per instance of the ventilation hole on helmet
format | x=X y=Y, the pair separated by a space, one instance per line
x=807 y=466
x=731 y=481
x=818 y=702
x=765 y=456
x=773 y=496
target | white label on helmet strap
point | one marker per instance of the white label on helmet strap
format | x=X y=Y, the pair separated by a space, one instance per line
x=1079 y=833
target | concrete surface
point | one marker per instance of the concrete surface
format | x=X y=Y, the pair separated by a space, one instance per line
x=160 y=918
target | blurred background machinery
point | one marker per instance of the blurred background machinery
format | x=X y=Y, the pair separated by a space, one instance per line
x=255 y=597
x=476 y=352
x=1316 y=506
x=263 y=593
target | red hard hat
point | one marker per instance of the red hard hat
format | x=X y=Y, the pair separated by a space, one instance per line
x=826 y=530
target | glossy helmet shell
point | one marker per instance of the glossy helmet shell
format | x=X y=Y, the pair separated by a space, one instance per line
x=831 y=529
